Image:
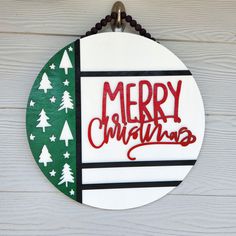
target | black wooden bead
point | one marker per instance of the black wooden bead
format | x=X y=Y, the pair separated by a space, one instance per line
x=108 y=18
x=94 y=30
x=114 y=15
x=103 y=22
x=133 y=23
x=88 y=33
x=98 y=26
x=143 y=32
x=128 y=18
x=123 y=15
x=148 y=35
x=138 y=27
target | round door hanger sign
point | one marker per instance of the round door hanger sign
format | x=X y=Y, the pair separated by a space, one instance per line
x=115 y=121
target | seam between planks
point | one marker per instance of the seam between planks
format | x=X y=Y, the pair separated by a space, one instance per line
x=157 y=39
x=173 y=194
x=206 y=114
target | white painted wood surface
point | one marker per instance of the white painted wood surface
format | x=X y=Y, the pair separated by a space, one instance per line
x=203 y=35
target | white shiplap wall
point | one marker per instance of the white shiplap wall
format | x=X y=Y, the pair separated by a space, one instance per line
x=203 y=35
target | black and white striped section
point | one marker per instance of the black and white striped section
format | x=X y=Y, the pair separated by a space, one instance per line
x=148 y=180
x=133 y=176
x=104 y=178
x=142 y=175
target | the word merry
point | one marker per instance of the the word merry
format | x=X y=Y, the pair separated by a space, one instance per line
x=157 y=94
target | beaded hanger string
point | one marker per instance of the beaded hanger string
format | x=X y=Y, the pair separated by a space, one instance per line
x=133 y=23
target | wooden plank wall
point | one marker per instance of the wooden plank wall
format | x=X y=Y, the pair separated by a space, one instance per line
x=203 y=35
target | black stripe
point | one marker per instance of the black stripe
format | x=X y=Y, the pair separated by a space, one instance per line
x=137 y=164
x=78 y=123
x=135 y=73
x=131 y=185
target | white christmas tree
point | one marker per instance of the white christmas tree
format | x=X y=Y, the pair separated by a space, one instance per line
x=66 y=176
x=65 y=62
x=66 y=102
x=66 y=134
x=43 y=120
x=45 y=156
x=45 y=83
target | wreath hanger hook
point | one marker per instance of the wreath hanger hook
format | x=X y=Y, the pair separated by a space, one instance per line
x=118 y=24
x=118 y=20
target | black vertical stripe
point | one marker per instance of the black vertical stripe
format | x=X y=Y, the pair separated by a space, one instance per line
x=78 y=122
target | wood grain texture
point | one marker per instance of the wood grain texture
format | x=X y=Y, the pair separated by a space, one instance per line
x=214 y=173
x=170 y=19
x=45 y=214
x=23 y=56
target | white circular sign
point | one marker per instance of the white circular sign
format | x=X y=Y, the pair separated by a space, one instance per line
x=115 y=120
